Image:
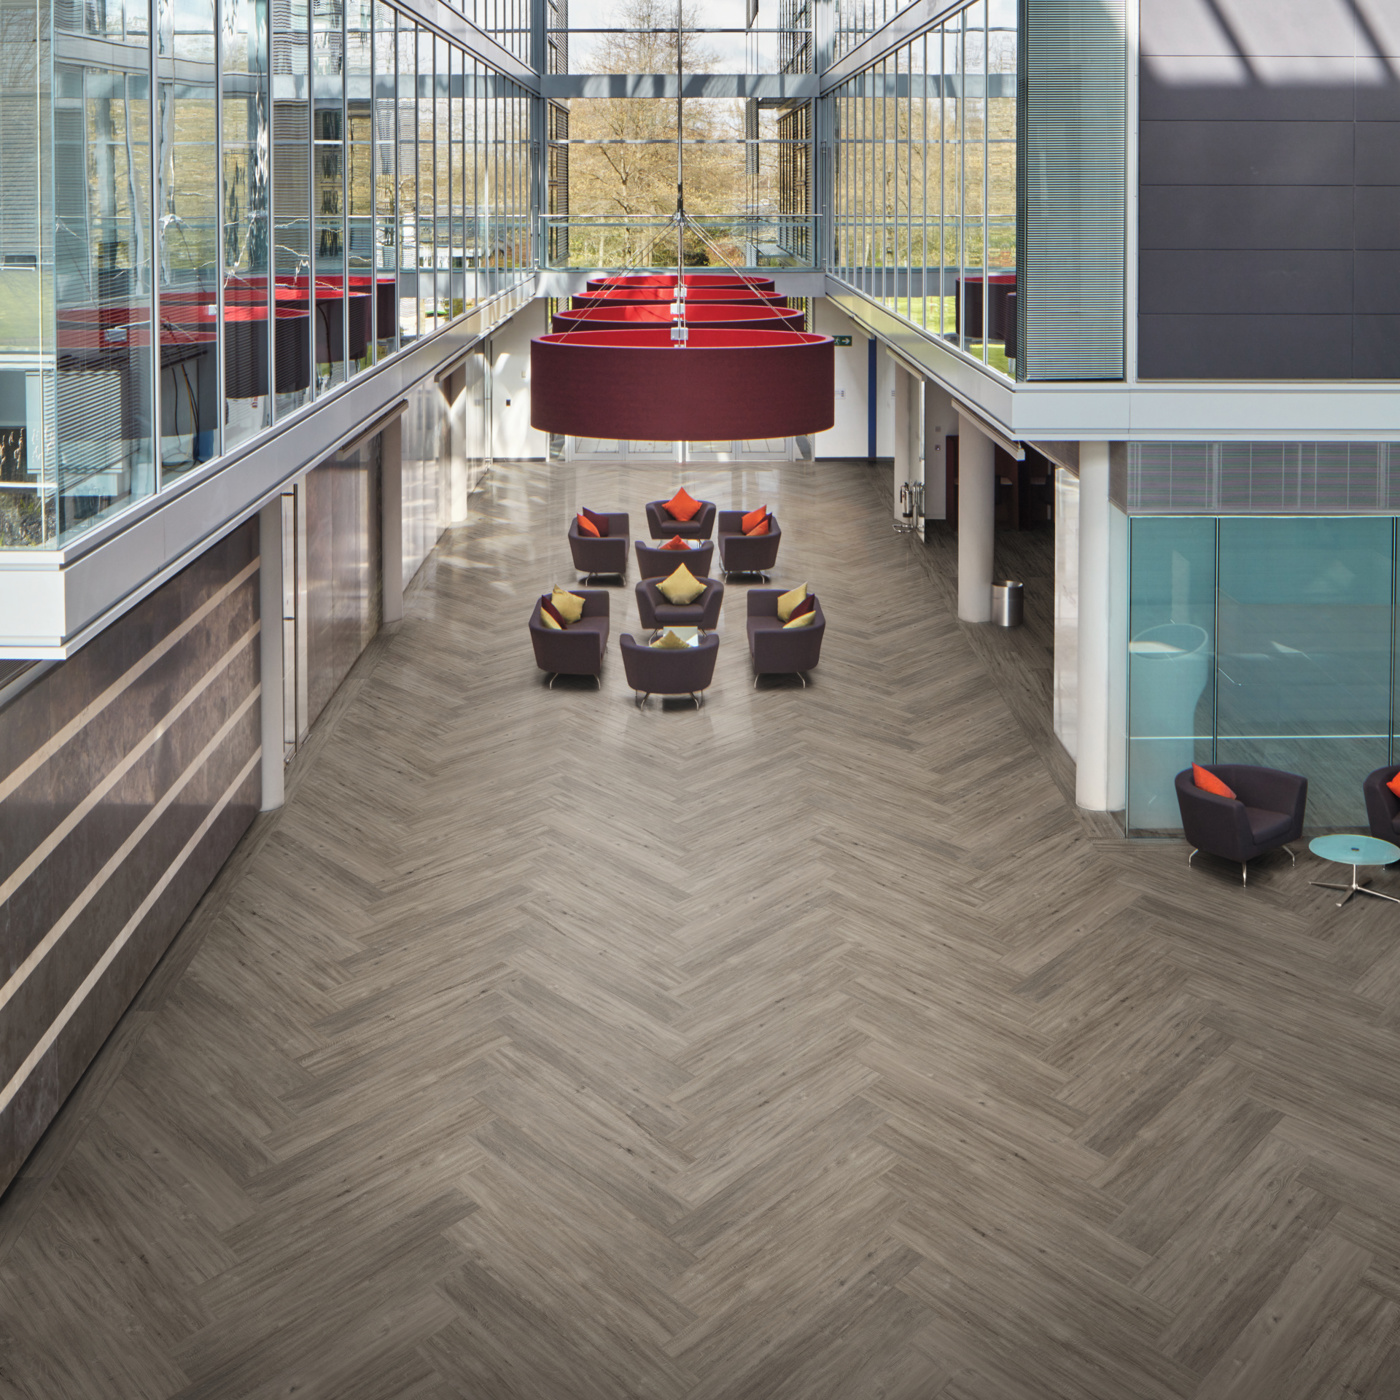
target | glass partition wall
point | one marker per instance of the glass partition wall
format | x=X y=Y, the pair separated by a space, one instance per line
x=310 y=185
x=1261 y=639
x=924 y=185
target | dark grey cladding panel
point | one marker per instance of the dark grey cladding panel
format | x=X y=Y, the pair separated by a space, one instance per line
x=191 y=761
x=1291 y=28
x=1377 y=347
x=1378 y=153
x=1245 y=347
x=1378 y=90
x=1246 y=153
x=1228 y=216
x=1228 y=89
x=1377 y=283
x=1230 y=282
x=1378 y=216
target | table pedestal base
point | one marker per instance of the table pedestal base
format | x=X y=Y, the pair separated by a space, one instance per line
x=1356 y=887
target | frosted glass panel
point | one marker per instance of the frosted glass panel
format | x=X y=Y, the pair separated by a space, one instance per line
x=1170 y=653
x=1304 y=664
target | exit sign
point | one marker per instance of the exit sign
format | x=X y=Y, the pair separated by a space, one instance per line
x=843 y=340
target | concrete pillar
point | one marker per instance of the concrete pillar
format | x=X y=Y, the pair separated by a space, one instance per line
x=270 y=652
x=977 y=484
x=454 y=443
x=391 y=518
x=1100 y=777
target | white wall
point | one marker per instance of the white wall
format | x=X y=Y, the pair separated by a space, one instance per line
x=511 y=433
x=850 y=435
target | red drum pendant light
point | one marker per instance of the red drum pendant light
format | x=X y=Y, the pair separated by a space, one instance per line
x=689 y=377
x=708 y=315
x=640 y=385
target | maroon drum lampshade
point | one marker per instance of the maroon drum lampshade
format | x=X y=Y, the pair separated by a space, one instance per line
x=713 y=316
x=639 y=385
x=668 y=281
x=639 y=296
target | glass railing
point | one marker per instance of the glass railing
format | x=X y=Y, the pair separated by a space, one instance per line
x=738 y=240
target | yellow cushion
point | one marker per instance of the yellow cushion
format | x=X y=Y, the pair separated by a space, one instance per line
x=568 y=605
x=681 y=588
x=670 y=642
x=549 y=621
x=806 y=620
x=788 y=601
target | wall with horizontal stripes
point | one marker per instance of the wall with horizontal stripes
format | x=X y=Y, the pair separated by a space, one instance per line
x=127 y=775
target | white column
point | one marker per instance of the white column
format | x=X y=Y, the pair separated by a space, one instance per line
x=1099 y=776
x=270 y=651
x=391 y=518
x=454 y=437
x=976 y=519
x=902 y=473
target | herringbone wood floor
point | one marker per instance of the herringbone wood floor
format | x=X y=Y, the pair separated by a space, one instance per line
x=809 y=1045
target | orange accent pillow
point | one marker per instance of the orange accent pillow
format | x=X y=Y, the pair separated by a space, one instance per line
x=1208 y=782
x=1394 y=785
x=587 y=527
x=761 y=528
x=676 y=542
x=682 y=506
x=753 y=518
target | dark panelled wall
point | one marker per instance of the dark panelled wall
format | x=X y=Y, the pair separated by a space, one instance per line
x=1269 y=183
x=127 y=774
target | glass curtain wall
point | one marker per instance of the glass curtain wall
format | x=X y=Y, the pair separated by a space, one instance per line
x=309 y=186
x=1267 y=640
x=924 y=186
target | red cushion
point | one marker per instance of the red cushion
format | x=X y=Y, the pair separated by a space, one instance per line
x=675 y=542
x=753 y=518
x=1394 y=785
x=587 y=527
x=682 y=506
x=761 y=528
x=547 y=606
x=1208 y=782
x=600 y=522
x=808 y=604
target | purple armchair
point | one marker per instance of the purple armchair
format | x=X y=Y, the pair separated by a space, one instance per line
x=578 y=649
x=604 y=555
x=656 y=612
x=663 y=526
x=669 y=671
x=1265 y=813
x=778 y=650
x=746 y=554
x=655 y=562
x=1382 y=805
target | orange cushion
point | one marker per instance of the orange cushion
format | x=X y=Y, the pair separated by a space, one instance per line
x=587 y=527
x=1394 y=785
x=600 y=522
x=682 y=506
x=675 y=542
x=753 y=517
x=1208 y=782
x=761 y=528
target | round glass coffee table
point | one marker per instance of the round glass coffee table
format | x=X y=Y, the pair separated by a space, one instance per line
x=1354 y=851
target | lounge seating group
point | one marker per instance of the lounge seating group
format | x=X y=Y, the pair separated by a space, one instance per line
x=677 y=601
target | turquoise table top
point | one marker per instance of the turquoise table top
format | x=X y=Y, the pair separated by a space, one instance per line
x=1354 y=850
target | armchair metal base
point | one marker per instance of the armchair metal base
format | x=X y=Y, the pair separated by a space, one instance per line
x=554 y=676
x=615 y=573
x=1244 y=870
x=727 y=574
x=640 y=699
x=798 y=674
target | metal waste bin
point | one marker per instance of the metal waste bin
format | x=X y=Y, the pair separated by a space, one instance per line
x=1008 y=602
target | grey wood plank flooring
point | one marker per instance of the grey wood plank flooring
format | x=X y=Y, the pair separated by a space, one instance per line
x=808 y=1045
